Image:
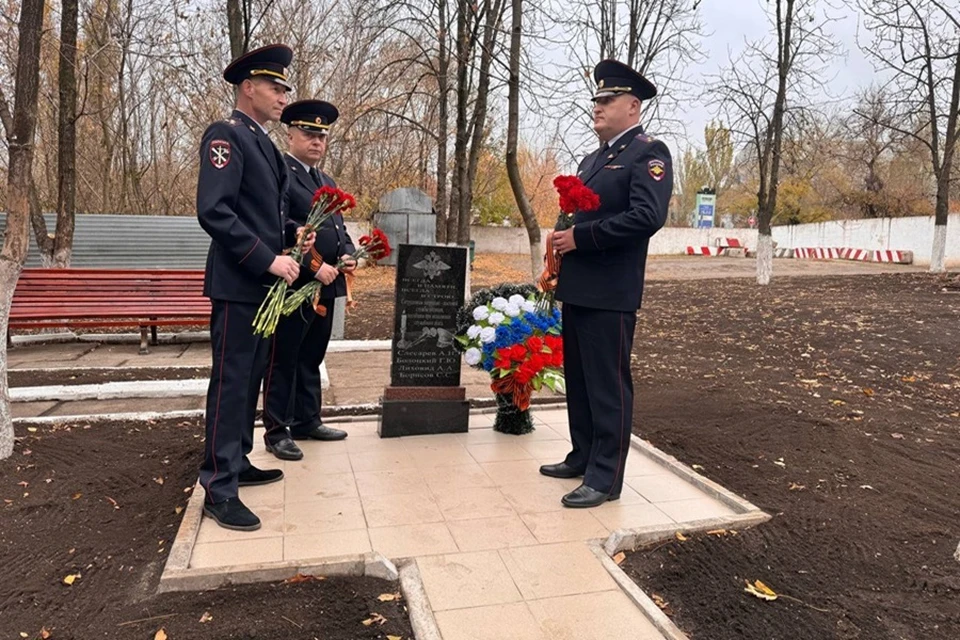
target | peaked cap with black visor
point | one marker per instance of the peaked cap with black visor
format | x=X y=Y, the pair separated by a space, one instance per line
x=314 y=116
x=614 y=78
x=269 y=62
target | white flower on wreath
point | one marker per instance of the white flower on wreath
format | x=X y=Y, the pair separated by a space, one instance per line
x=496 y=318
x=481 y=313
x=499 y=303
x=488 y=334
x=473 y=332
x=512 y=310
x=517 y=299
x=472 y=356
x=529 y=306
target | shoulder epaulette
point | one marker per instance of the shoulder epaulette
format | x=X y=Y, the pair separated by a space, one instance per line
x=642 y=137
x=232 y=121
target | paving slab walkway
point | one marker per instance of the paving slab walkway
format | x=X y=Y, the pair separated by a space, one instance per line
x=498 y=555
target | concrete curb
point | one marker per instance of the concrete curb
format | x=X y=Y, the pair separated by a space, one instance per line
x=647 y=606
x=126 y=389
x=418 y=605
x=185 y=337
x=335 y=414
x=631 y=539
x=112 y=390
x=706 y=485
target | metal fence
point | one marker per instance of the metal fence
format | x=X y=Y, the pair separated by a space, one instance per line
x=144 y=242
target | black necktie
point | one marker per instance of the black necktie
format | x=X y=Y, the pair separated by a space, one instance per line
x=316 y=176
x=601 y=156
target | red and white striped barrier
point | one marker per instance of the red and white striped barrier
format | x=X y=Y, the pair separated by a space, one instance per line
x=703 y=251
x=729 y=243
x=887 y=255
x=817 y=253
x=862 y=255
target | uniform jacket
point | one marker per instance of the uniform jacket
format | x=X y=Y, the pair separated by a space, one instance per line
x=634 y=181
x=241 y=204
x=332 y=240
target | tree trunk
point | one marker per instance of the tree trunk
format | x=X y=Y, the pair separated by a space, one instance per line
x=443 y=86
x=764 y=258
x=67 y=137
x=460 y=145
x=513 y=124
x=16 y=238
x=491 y=28
x=235 y=28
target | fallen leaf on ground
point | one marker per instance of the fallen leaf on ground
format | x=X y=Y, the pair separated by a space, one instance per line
x=158 y=480
x=620 y=557
x=44 y=634
x=374 y=618
x=70 y=579
x=780 y=463
x=896 y=436
x=760 y=590
x=868 y=393
x=680 y=537
x=718 y=532
x=660 y=602
x=23 y=483
x=206 y=617
x=76 y=496
x=299 y=578
x=388 y=597
x=160 y=635
x=178 y=510
x=32 y=429
x=796 y=487
x=394 y=637
x=113 y=502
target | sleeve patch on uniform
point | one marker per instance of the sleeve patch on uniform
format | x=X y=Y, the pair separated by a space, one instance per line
x=656 y=169
x=219 y=153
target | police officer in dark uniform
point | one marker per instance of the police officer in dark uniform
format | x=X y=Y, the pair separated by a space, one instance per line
x=291 y=388
x=601 y=282
x=241 y=202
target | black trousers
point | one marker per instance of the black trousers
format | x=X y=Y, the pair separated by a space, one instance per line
x=596 y=356
x=291 y=388
x=239 y=361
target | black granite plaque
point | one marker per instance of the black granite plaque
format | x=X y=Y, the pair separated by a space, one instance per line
x=430 y=288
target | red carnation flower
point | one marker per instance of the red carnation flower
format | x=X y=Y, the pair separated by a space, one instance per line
x=535 y=344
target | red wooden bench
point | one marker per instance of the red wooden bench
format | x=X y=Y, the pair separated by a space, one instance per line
x=147 y=299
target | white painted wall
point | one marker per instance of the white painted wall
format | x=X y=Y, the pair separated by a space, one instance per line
x=901 y=234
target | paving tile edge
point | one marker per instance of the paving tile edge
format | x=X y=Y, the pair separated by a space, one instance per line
x=708 y=486
x=631 y=539
x=647 y=606
x=418 y=605
x=182 y=549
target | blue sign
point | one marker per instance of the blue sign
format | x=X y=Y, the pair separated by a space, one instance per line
x=706 y=208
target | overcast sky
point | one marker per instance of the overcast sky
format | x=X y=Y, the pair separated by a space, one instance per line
x=731 y=23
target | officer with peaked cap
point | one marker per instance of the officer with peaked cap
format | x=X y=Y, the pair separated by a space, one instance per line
x=241 y=204
x=291 y=389
x=601 y=282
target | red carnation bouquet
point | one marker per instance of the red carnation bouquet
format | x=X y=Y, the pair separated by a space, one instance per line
x=371 y=247
x=326 y=202
x=574 y=196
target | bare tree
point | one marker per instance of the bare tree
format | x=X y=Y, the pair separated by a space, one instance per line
x=658 y=38
x=513 y=124
x=918 y=43
x=16 y=238
x=762 y=90
x=871 y=138
x=67 y=141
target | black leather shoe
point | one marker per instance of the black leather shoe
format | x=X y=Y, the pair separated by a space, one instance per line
x=253 y=476
x=583 y=497
x=232 y=514
x=285 y=449
x=560 y=470
x=321 y=432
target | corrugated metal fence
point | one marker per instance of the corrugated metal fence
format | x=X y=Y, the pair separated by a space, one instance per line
x=104 y=240
x=139 y=242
